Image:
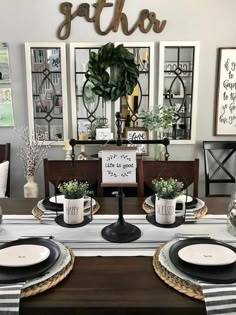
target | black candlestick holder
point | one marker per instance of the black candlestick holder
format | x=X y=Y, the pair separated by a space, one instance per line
x=121 y=231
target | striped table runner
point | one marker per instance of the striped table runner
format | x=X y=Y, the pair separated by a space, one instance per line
x=49 y=218
x=220 y=299
x=10 y=298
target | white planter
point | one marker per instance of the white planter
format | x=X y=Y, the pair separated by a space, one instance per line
x=73 y=211
x=31 y=189
x=165 y=210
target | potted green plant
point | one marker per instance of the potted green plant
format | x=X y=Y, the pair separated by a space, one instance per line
x=73 y=205
x=167 y=189
x=167 y=192
x=74 y=189
x=158 y=120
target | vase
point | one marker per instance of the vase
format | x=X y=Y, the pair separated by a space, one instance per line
x=73 y=210
x=31 y=189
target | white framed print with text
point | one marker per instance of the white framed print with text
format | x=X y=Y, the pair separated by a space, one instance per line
x=225 y=121
x=118 y=166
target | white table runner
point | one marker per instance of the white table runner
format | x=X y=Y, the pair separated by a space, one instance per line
x=87 y=240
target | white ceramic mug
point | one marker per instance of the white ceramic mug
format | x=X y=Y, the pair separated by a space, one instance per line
x=73 y=211
x=165 y=212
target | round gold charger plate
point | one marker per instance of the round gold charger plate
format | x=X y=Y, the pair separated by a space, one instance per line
x=198 y=213
x=175 y=282
x=38 y=213
x=51 y=282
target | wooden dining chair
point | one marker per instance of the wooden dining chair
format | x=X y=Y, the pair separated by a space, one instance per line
x=219 y=161
x=57 y=171
x=184 y=171
x=5 y=155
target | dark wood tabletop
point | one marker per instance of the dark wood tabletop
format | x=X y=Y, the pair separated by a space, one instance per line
x=111 y=285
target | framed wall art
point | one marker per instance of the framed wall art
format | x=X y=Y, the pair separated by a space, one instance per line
x=137 y=133
x=6 y=110
x=4 y=64
x=225 y=122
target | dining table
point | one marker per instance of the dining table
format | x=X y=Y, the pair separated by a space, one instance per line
x=111 y=284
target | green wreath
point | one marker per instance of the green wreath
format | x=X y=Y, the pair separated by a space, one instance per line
x=124 y=72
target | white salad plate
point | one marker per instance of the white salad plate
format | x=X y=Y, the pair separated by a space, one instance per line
x=57 y=199
x=23 y=255
x=207 y=255
x=184 y=198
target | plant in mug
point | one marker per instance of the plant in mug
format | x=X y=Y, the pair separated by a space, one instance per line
x=74 y=189
x=167 y=189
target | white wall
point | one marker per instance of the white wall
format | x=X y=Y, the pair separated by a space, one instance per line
x=212 y=22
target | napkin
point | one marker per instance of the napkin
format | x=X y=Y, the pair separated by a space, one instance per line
x=220 y=299
x=10 y=298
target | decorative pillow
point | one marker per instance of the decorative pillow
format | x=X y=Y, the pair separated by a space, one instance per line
x=3 y=178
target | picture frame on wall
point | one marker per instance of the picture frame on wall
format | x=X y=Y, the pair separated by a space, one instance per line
x=5 y=77
x=6 y=108
x=225 y=112
x=138 y=133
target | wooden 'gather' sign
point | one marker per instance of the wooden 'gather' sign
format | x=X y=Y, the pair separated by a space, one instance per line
x=118 y=166
x=146 y=21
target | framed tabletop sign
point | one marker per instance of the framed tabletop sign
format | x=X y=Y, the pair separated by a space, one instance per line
x=137 y=133
x=119 y=166
x=225 y=124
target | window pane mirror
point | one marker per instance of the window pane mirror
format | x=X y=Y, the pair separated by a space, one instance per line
x=142 y=98
x=178 y=81
x=90 y=112
x=47 y=90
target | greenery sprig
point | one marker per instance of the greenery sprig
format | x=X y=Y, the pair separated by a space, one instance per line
x=123 y=75
x=167 y=189
x=74 y=189
x=161 y=117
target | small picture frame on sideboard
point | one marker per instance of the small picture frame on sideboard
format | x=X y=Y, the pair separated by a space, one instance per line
x=138 y=133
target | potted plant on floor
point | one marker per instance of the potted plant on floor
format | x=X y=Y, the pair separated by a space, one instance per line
x=167 y=192
x=73 y=205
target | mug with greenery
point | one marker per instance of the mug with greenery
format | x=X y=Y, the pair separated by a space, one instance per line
x=74 y=189
x=167 y=189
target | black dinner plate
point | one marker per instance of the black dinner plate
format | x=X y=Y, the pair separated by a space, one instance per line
x=215 y=274
x=189 y=205
x=17 y=274
x=52 y=205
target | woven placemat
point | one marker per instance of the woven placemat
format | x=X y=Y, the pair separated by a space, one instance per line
x=38 y=213
x=175 y=282
x=51 y=282
x=198 y=213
